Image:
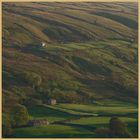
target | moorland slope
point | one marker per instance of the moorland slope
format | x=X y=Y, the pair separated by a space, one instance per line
x=91 y=51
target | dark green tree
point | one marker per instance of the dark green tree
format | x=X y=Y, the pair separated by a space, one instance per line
x=118 y=128
x=32 y=78
x=19 y=116
x=6 y=126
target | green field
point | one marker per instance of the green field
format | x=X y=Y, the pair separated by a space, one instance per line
x=52 y=131
x=99 y=109
x=84 y=126
x=49 y=113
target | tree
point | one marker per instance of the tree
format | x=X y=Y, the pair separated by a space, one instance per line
x=52 y=85
x=19 y=116
x=6 y=126
x=118 y=128
x=32 y=78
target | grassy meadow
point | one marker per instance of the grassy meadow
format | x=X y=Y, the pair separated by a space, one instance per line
x=78 y=123
x=89 y=65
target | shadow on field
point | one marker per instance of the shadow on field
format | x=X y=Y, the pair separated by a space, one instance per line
x=87 y=127
x=58 y=136
x=41 y=111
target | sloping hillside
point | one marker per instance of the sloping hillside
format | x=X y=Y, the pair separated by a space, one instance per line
x=91 y=51
x=68 y=22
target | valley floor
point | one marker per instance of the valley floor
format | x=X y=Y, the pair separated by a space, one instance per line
x=77 y=120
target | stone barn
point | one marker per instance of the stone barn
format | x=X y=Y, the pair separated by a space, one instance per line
x=38 y=122
x=51 y=101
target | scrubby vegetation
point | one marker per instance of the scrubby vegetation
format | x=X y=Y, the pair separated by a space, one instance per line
x=117 y=129
x=19 y=116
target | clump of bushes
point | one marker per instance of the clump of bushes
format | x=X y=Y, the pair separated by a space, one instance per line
x=117 y=129
x=19 y=116
x=32 y=79
x=6 y=126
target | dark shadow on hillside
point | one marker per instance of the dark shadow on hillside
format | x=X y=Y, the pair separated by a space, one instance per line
x=121 y=19
x=66 y=135
x=87 y=127
x=40 y=111
x=93 y=68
